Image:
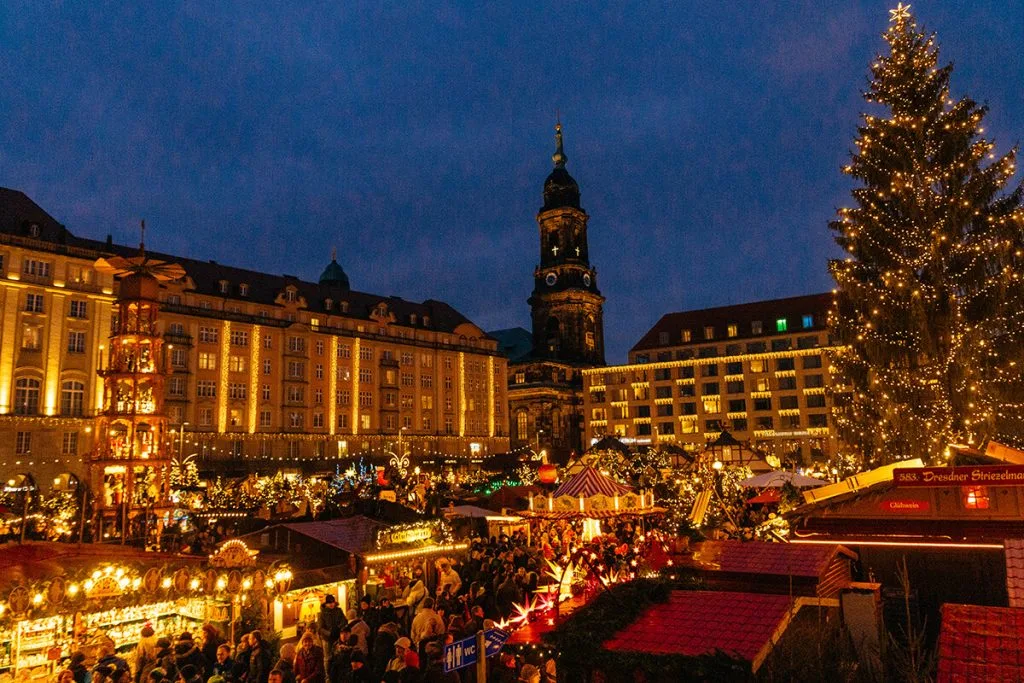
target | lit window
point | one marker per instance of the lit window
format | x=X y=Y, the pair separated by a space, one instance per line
x=72 y=398
x=76 y=342
x=686 y=336
x=756 y=327
x=69 y=444
x=223 y=286
x=780 y=325
x=808 y=321
x=26 y=396
x=34 y=303
x=79 y=309
x=709 y=332
x=975 y=497
x=733 y=330
x=243 y=289
x=23 y=443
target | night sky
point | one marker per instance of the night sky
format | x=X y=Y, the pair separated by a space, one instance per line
x=706 y=137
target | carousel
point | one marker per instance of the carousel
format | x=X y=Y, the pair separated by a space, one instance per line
x=591 y=497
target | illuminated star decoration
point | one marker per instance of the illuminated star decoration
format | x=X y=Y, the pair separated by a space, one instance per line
x=900 y=14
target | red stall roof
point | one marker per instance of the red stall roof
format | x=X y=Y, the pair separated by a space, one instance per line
x=759 y=557
x=1015 y=570
x=694 y=623
x=981 y=644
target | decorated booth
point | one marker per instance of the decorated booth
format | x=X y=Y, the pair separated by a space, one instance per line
x=56 y=599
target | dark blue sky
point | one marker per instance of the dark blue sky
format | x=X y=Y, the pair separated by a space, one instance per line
x=706 y=137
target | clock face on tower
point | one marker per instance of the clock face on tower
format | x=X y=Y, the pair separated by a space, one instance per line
x=551 y=279
x=586 y=279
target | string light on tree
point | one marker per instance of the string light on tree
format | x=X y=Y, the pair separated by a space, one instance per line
x=929 y=298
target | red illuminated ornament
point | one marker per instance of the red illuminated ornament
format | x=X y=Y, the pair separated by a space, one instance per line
x=547 y=474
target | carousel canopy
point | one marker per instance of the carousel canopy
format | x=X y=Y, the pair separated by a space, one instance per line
x=589 y=482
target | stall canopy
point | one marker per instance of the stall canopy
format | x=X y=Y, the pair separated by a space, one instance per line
x=589 y=482
x=473 y=512
x=779 y=478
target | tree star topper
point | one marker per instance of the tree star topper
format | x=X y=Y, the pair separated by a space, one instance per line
x=901 y=13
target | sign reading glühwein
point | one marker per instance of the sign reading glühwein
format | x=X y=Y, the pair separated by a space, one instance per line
x=988 y=475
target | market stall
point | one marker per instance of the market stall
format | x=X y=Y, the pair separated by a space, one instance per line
x=55 y=598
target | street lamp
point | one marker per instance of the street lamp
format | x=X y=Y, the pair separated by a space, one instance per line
x=400 y=431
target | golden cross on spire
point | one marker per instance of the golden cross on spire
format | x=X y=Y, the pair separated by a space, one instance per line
x=900 y=14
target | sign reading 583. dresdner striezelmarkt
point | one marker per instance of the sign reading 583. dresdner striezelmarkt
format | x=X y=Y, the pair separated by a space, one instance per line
x=991 y=475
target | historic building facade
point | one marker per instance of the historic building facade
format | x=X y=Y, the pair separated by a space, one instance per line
x=545 y=384
x=759 y=370
x=260 y=367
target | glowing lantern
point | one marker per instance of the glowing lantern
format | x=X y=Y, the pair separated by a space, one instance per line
x=547 y=474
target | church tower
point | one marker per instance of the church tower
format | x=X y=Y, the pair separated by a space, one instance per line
x=566 y=305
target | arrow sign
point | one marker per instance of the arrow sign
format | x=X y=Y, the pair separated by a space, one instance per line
x=462 y=653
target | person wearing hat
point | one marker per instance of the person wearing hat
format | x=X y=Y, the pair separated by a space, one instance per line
x=360 y=629
x=359 y=673
x=187 y=653
x=331 y=619
x=404 y=654
x=309 y=661
x=529 y=674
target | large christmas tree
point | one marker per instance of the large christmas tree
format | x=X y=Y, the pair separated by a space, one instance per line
x=929 y=303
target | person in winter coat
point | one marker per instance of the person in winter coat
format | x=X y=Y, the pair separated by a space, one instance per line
x=413 y=595
x=359 y=671
x=106 y=658
x=338 y=668
x=211 y=641
x=187 y=653
x=383 y=647
x=448 y=578
x=77 y=667
x=259 y=659
x=360 y=629
x=427 y=624
x=331 y=619
x=286 y=663
x=243 y=652
x=145 y=653
x=433 y=672
x=224 y=666
x=309 y=661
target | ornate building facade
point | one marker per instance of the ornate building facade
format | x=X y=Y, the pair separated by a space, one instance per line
x=759 y=370
x=262 y=370
x=545 y=384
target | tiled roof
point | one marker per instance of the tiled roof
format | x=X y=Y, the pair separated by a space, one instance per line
x=793 y=309
x=700 y=622
x=758 y=557
x=981 y=644
x=18 y=212
x=351 y=534
x=1015 y=570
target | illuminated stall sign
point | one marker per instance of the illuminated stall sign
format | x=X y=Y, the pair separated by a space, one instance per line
x=1000 y=475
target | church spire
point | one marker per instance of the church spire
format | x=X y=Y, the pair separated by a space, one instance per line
x=559 y=156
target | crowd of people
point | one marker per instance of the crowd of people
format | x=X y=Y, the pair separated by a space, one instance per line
x=395 y=636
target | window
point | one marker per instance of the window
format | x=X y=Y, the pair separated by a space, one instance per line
x=640 y=393
x=265 y=392
x=79 y=309
x=426 y=422
x=267 y=367
x=365 y=353
x=709 y=370
x=780 y=325
x=448 y=426
x=235 y=417
x=268 y=341
x=264 y=418
x=686 y=335
x=319 y=347
x=787 y=383
x=407 y=379
x=817 y=420
x=663 y=338
x=782 y=344
x=758 y=366
x=427 y=382
x=814 y=381
x=664 y=410
x=812 y=362
x=26 y=396
x=23 y=443
x=69 y=444
x=808 y=321
x=734 y=387
x=712 y=404
x=176 y=386
x=296 y=345
x=296 y=394
x=707 y=352
x=344 y=351
x=223 y=286
x=666 y=427
x=427 y=402
x=808 y=342
x=36 y=269
x=239 y=337
x=686 y=372
x=761 y=384
x=756 y=327
x=448 y=403
x=178 y=357
x=709 y=388
x=643 y=430
x=662 y=392
x=687 y=390
x=34 y=303
x=756 y=347
x=365 y=399
x=762 y=404
x=709 y=332
x=243 y=289
x=765 y=422
x=816 y=401
x=76 y=342
x=294 y=421
x=733 y=330
x=734 y=368
x=688 y=427
x=975 y=497
x=364 y=422
x=365 y=375
x=206 y=388
x=236 y=363
x=521 y=426
x=737 y=405
x=342 y=397
x=72 y=398
x=788 y=403
x=426 y=360
x=318 y=419
x=208 y=335
x=406 y=359
x=207 y=360
x=784 y=364
x=205 y=417
x=296 y=369
x=236 y=391
x=739 y=424
x=520 y=379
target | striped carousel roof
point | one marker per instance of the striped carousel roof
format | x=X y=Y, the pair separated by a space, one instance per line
x=589 y=482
